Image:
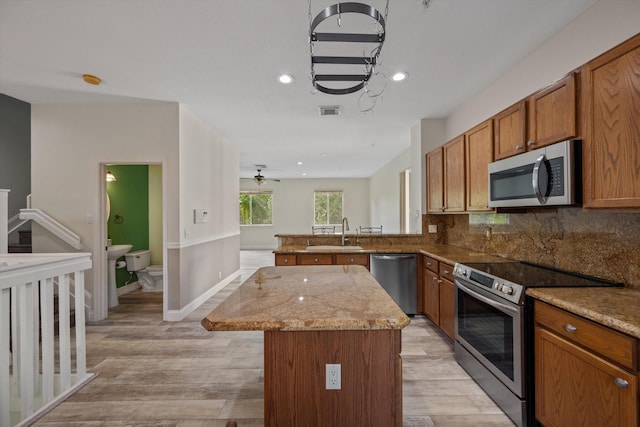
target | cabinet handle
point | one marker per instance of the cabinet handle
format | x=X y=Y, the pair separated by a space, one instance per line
x=351 y=260
x=429 y=264
x=446 y=272
x=621 y=383
x=518 y=147
x=315 y=260
x=530 y=143
x=286 y=260
x=570 y=328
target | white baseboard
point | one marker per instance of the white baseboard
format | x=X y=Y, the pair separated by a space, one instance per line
x=177 y=315
x=128 y=288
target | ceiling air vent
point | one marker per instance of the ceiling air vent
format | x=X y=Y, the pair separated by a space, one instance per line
x=329 y=110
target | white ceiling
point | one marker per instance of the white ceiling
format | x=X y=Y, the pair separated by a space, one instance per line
x=221 y=59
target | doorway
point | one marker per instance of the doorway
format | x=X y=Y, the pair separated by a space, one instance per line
x=133 y=195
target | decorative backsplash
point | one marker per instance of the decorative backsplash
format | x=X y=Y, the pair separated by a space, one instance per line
x=597 y=243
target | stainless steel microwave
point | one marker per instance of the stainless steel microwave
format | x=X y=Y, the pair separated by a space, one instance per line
x=547 y=176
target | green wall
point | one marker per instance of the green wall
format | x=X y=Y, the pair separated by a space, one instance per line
x=129 y=197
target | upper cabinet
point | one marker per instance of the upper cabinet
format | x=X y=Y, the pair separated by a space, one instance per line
x=454 y=172
x=446 y=177
x=478 y=153
x=611 y=118
x=435 y=181
x=510 y=131
x=548 y=116
x=552 y=113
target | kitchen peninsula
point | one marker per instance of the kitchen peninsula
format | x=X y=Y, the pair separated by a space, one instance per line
x=313 y=316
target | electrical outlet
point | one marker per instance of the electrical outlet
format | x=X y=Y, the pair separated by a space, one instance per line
x=333 y=377
x=433 y=228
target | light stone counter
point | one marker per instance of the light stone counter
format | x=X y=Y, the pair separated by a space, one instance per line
x=305 y=298
x=617 y=308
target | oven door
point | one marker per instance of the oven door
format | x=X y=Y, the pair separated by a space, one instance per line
x=492 y=331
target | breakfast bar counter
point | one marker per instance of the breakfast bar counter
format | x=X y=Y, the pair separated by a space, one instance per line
x=314 y=316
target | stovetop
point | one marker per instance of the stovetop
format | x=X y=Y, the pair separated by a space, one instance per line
x=509 y=280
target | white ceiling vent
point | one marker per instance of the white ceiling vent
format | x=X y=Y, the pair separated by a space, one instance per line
x=329 y=110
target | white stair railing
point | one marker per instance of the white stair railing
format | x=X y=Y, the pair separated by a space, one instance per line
x=53 y=226
x=15 y=222
x=29 y=385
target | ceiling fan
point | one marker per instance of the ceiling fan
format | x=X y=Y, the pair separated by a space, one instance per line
x=259 y=178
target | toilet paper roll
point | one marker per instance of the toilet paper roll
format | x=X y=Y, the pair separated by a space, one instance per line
x=121 y=264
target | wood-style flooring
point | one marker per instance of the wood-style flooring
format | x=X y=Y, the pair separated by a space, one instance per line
x=156 y=373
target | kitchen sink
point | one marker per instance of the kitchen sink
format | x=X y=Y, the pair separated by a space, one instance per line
x=336 y=248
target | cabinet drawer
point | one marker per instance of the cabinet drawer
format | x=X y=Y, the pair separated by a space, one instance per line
x=430 y=263
x=318 y=259
x=446 y=271
x=356 y=259
x=285 y=259
x=613 y=345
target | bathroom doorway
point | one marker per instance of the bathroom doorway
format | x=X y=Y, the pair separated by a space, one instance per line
x=135 y=217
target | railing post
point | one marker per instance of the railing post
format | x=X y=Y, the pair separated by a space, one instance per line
x=4 y=221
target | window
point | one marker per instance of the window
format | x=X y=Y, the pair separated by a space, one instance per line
x=328 y=207
x=256 y=208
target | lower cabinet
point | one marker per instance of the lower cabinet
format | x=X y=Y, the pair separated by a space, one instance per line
x=323 y=259
x=439 y=294
x=585 y=374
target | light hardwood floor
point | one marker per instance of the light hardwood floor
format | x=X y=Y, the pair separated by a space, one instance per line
x=156 y=373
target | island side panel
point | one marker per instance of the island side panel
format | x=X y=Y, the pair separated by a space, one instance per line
x=294 y=378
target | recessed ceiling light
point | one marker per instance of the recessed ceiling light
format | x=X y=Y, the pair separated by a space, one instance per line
x=286 y=79
x=299 y=163
x=304 y=174
x=398 y=77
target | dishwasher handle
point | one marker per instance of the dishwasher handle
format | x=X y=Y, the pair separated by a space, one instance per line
x=392 y=257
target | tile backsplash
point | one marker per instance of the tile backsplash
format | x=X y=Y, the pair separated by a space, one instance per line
x=598 y=243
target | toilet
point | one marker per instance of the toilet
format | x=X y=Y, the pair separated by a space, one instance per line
x=149 y=276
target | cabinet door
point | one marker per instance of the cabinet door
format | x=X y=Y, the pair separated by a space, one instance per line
x=552 y=113
x=479 y=153
x=454 y=172
x=447 y=307
x=576 y=388
x=353 y=259
x=432 y=296
x=435 y=181
x=611 y=139
x=288 y=259
x=510 y=131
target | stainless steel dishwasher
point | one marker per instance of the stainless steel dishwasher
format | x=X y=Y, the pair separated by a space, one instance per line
x=397 y=275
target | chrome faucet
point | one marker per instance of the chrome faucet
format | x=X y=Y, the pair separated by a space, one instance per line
x=345 y=228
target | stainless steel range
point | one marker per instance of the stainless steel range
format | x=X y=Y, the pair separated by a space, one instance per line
x=494 y=328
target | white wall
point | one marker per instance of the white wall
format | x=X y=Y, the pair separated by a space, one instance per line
x=293 y=208
x=604 y=25
x=207 y=252
x=384 y=202
x=69 y=142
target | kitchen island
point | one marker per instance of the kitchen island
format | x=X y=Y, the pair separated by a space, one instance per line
x=314 y=316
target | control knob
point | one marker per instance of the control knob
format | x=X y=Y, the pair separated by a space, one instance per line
x=507 y=290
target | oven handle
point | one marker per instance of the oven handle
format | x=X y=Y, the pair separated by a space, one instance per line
x=503 y=307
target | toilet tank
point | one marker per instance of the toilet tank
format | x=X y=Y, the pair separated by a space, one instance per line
x=137 y=260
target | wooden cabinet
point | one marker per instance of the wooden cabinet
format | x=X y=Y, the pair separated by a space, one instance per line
x=285 y=259
x=447 y=299
x=479 y=153
x=315 y=259
x=547 y=117
x=454 y=174
x=324 y=258
x=435 y=181
x=552 y=113
x=585 y=373
x=431 y=283
x=352 y=259
x=611 y=119
x=439 y=294
x=510 y=131
x=446 y=177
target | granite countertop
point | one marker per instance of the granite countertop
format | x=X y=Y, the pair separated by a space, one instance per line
x=302 y=298
x=617 y=308
x=446 y=253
